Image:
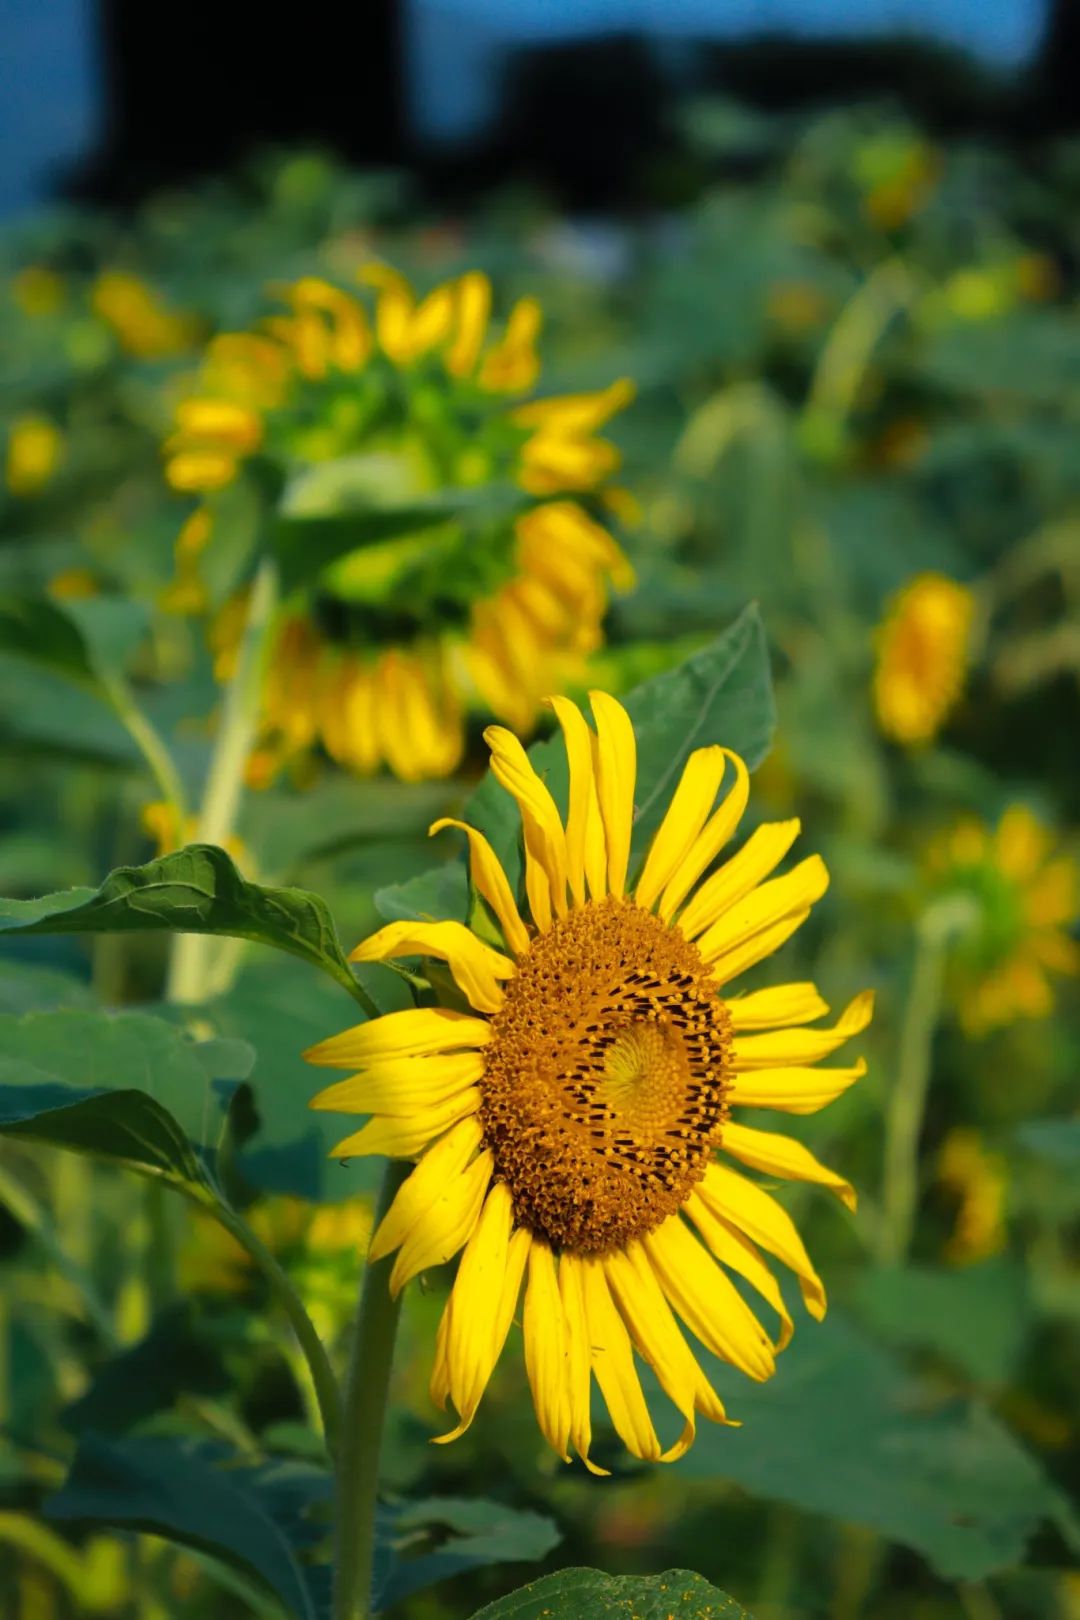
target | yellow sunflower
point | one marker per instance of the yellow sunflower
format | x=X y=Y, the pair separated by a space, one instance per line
x=568 y=1125
x=923 y=650
x=1024 y=900
x=381 y=402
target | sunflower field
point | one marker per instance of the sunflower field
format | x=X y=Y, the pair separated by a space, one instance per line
x=539 y=824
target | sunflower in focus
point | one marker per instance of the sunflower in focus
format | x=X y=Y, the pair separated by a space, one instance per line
x=1025 y=899
x=481 y=569
x=574 y=1124
x=923 y=649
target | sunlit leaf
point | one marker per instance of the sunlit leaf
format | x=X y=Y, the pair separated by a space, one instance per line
x=587 y=1594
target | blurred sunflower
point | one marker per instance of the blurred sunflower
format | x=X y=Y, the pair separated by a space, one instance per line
x=142 y=322
x=1024 y=899
x=979 y=1181
x=489 y=579
x=567 y=1126
x=923 y=648
x=35 y=449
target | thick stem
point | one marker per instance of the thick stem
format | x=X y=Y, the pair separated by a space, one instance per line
x=367 y=1384
x=189 y=963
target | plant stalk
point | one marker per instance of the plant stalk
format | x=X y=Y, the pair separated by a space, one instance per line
x=367 y=1383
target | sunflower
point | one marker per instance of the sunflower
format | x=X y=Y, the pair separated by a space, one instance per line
x=1025 y=897
x=568 y=1123
x=923 y=651
x=489 y=579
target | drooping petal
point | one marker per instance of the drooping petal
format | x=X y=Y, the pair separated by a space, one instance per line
x=474 y=310
x=440 y=1165
x=708 y=1302
x=546 y=1349
x=401 y=1034
x=613 y=1363
x=778 y=1155
x=687 y=813
x=402 y=1085
x=576 y=414
x=716 y=832
x=759 y=856
x=586 y=855
x=403 y=1138
x=784 y=1048
x=771 y=903
x=485 y=1295
x=477 y=969
x=615 y=764
x=735 y=1250
x=545 y=840
x=793 y=1091
x=578 y=1377
x=447 y=1224
x=754 y=1211
x=777 y=1007
x=490 y=882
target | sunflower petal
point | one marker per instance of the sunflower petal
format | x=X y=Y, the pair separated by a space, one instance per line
x=759 y=856
x=402 y=1085
x=709 y=842
x=448 y=1223
x=779 y=1155
x=613 y=1363
x=777 y=1007
x=404 y=1138
x=440 y=1165
x=572 y=1292
x=757 y=947
x=546 y=1350
x=474 y=311
x=687 y=813
x=615 y=756
x=782 y=1048
x=476 y=968
x=545 y=840
x=708 y=1302
x=735 y=1250
x=400 y=1034
x=490 y=882
x=769 y=904
x=752 y=1210
x=793 y=1091
x=585 y=851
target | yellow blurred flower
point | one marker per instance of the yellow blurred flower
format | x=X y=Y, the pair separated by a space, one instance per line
x=353 y=402
x=142 y=322
x=73 y=584
x=39 y=291
x=1025 y=898
x=35 y=448
x=897 y=172
x=923 y=647
x=170 y=831
x=979 y=1181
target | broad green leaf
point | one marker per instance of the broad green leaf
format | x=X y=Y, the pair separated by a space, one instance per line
x=197 y=890
x=287 y=827
x=976 y=1317
x=843 y=1430
x=419 y=1543
x=588 y=1594
x=261 y=1519
x=36 y=987
x=1056 y=1140
x=174 y=1358
x=127 y=1128
x=721 y=694
x=86 y=641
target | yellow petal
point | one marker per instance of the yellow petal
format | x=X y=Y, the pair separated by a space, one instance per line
x=490 y=882
x=572 y=1292
x=784 y=1048
x=546 y=1349
x=545 y=840
x=615 y=765
x=734 y=1250
x=476 y=968
x=404 y=1138
x=686 y=815
x=447 y=1224
x=760 y=855
x=613 y=1363
x=755 y=1212
x=710 y=841
x=707 y=1300
x=577 y=414
x=410 y=1033
x=431 y=321
x=586 y=856
x=778 y=1155
x=439 y=1166
x=757 y=947
x=485 y=1296
x=474 y=310
x=777 y=1007
x=793 y=1091
x=770 y=903
x=401 y=1085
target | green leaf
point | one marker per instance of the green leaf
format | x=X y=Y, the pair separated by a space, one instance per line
x=721 y=694
x=197 y=890
x=587 y=1594
x=976 y=1317
x=287 y=827
x=260 y=1519
x=127 y=1128
x=1056 y=1140
x=461 y=1533
x=174 y=1358
x=843 y=1430
x=86 y=641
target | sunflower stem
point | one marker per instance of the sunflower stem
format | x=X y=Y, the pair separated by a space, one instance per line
x=190 y=962
x=367 y=1382
x=907 y=1101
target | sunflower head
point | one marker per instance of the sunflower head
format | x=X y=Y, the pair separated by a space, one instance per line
x=923 y=648
x=141 y=321
x=35 y=449
x=1023 y=898
x=481 y=564
x=574 y=1112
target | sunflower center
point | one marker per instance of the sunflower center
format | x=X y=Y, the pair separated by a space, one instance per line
x=605 y=1081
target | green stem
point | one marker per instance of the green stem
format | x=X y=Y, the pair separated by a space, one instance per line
x=30 y=1215
x=367 y=1382
x=189 y=963
x=907 y=1100
x=326 y=1388
x=150 y=744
